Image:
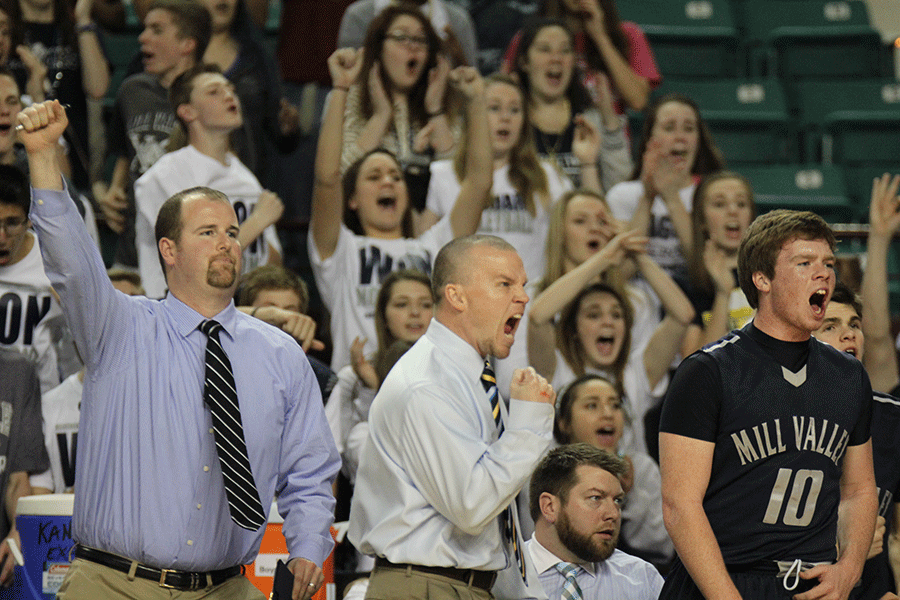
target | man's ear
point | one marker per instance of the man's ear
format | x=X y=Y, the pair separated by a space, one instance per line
x=550 y=506
x=186 y=112
x=167 y=249
x=187 y=46
x=762 y=283
x=455 y=296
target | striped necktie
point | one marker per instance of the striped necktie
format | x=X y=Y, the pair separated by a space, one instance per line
x=221 y=397
x=489 y=381
x=571 y=590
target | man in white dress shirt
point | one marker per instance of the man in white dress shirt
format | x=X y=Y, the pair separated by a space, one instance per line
x=440 y=470
x=576 y=503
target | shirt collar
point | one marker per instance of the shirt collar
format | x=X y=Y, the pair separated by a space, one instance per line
x=544 y=560
x=187 y=319
x=454 y=346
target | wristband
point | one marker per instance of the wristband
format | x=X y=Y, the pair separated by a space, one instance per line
x=433 y=115
x=90 y=27
x=253 y=312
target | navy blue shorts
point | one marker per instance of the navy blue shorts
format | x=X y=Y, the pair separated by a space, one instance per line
x=752 y=585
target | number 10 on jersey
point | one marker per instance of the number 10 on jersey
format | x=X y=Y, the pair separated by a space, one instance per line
x=798 y=483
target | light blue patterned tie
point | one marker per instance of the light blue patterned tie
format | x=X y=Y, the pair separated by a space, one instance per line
x=571 y=589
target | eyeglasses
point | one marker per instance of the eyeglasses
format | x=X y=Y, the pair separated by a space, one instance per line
x=12 y=226
x=414 y=41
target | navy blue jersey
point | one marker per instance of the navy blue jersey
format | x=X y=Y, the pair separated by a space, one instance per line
x=877 y=579
x=780 y=436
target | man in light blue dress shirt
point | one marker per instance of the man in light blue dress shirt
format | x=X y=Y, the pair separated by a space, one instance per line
x=576 y=503
x=150 y=502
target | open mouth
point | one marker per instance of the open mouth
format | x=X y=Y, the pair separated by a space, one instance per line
x=512 y=323
x=555 y=77
x=851 y=351
x=606 y=436
x=594 y=245
x=605 y=344
x=817 y=302
x=387 y=202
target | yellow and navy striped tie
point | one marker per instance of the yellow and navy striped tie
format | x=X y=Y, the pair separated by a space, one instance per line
x=489 y=381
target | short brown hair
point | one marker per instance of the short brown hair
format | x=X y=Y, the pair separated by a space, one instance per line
x=192 y=21
x=766 y=236
x=556 y=473
x=115 y=274
x=446 y=265
x=168 y=220
x=842 y=294
x=272 y=277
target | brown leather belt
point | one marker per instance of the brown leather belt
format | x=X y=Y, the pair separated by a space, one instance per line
x=167 y=578
x=483 y=580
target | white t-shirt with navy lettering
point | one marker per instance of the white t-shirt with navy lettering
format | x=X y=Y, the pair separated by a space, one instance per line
x=349 y=280
x=183 y=169
x=31 y=320
x=507 y=217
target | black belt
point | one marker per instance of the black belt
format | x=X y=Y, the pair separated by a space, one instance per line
x=168 y=578
x=480 y=579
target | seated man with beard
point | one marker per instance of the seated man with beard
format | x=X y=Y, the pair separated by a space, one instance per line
x=576 y=504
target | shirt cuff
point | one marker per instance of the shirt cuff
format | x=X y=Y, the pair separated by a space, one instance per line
x=536 y=417
x=51 y=203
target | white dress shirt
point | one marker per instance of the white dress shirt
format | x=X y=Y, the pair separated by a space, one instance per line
x=621 y=576
x=435 y=476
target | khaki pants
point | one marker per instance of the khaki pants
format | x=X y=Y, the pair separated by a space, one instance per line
x=90 y=581
x=407 y=584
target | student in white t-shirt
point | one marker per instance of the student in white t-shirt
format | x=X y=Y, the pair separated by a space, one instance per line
x=209 y=111
x=597 y=330
x=31 y=320
x=361 y=224
x=674 y=151
x=525 y=186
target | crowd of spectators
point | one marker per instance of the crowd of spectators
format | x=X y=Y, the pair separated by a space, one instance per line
x=631 y=259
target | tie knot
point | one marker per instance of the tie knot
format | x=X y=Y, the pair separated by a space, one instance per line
x=211 y=328
x=567 y=570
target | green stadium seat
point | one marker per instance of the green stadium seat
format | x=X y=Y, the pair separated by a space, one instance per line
x=690 y=38
x=851 y=122
x=748 y=118
x=811 y=38
x=819 y=188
